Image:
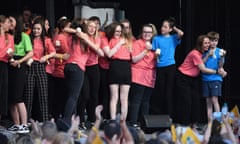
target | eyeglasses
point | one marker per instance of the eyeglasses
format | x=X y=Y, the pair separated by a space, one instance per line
x=147 y=32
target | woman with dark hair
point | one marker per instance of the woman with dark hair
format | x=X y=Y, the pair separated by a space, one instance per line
x=61 y=43
x=6 y=52
x=120 y=44
x=17 y=74
x=187 y=81
x=37 y=79
x=75 y=67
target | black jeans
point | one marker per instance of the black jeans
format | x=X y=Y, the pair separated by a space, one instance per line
x=139 y=96
x=74 y=81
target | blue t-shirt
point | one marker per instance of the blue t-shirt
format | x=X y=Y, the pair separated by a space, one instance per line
x=212 y=63
x=167 y=45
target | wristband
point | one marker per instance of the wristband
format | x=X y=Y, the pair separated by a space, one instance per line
x=61 y=58
x=94 y=129
x=146 y=51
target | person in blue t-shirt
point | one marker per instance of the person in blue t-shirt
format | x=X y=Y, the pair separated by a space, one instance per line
x=164 y=46
x=212 y=83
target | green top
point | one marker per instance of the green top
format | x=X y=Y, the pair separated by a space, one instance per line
x=24 y=46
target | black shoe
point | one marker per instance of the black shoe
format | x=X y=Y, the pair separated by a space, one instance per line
x=14 y=128
x=135 y=125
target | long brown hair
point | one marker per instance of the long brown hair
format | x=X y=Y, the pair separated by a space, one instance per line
x=40 y=20
x=3 y=18
x=199 y=42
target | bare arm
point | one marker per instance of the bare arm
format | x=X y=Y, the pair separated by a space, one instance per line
x=222 y=53
x=207 y=133
x=179 y=32
x=229 y=129
x=127 y=136
x=210 y=53
x=94 y=131
x=91 y=44
x=47 y=56
x=110 y=52
x=204 y=69
x=25 y=58
x=141 y=55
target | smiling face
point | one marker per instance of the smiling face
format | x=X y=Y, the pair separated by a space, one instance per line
x=147 y=33
x=4 y=24
x=205 y=44
x=37 y=30
x=118 y=31
x=91 y=28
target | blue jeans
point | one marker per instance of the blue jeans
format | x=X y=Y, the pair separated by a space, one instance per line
x=74 y=81
x=139 y=102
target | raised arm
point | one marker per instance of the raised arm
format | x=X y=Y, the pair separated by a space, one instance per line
x=179 y=32
x=94 y=131
x=91 y=44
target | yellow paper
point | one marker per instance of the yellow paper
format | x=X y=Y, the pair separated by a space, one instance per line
x=235 y=111
x=192 y=135
x=174 y=135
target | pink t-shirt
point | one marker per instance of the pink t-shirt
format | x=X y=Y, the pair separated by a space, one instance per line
x=189 y=66
x=103 y=61
x=63 y=40
x=5 y=44
x=144 y=71
x=93 y=56
x=78 y=55
x=122 y=53
x=38 y=49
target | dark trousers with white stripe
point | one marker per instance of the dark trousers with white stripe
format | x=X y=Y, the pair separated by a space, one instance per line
x=36 y=79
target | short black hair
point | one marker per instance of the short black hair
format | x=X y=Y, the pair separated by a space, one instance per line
x=112 y=128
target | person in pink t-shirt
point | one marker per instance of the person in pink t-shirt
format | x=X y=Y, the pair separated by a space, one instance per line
x=104 y=91
x=119 y=78
x=36 y=78
x=143 y=75
x=187 y=82
x=61 y=43
x=6 y=52
x=89 y=93
x=128 y=27
x=75 y=67
x=17 y=75
x=103 y=62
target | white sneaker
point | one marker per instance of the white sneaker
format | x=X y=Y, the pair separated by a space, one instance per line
x=23 y=129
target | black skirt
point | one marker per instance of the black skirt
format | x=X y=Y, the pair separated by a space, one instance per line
x=16 y=82
x=120 y=72
x=3 y=88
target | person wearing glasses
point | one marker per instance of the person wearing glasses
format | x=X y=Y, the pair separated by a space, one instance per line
x=143 y=75
x=120 y=47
